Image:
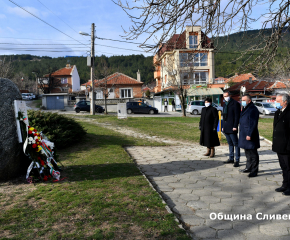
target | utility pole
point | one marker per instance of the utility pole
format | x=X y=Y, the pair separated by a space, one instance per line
x=92 y=69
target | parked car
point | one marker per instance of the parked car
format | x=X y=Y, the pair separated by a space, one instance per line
x=85 y=106
x=138 y=107
x=28 y=96
x=195 y=107
x=266 y=108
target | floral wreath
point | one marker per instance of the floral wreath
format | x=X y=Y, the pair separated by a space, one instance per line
x=39 y=150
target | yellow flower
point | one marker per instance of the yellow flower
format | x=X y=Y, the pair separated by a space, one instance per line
x=39 y=149
x=31 y=129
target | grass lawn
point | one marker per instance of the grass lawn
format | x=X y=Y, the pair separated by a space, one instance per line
x=178 y=128
x=103 y=197
x=266 y=128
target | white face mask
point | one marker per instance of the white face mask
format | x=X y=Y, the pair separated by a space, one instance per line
x=207 y=104
x=227 y=98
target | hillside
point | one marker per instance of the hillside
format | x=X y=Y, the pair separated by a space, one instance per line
x=128 y=65
x=228 y=49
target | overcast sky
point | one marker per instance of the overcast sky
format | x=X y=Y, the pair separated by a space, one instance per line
x=22 y=33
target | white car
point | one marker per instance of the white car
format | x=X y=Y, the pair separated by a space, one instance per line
x=266 y=108
x=28 y=96
x=195 y=107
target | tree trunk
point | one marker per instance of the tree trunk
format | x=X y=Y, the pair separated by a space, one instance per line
x=105 y=102
x=182 y=100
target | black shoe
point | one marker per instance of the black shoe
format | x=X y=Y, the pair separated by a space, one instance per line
x=236 y=164
x=287 y=192
x=229 y=161
x=252 y=174
x=245 y=170
x=281 y=189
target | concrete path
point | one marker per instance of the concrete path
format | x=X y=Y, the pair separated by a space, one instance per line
x=198 y=188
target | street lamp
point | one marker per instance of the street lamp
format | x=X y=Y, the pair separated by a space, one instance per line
x=92 y=66
x=36 y=82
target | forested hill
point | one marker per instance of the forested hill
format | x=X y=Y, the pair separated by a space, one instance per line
x=129 y=65
x=229 y=48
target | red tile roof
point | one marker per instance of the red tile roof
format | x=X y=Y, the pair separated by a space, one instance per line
x=258 y=85
x=242 y=77
x=178 y=41
x=67 y=71
x=115 y=79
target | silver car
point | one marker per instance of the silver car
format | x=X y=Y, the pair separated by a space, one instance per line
x=266 y=108
x=195 y=107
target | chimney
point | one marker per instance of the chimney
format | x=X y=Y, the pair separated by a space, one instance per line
x=236 y=74
x=138 y=76
x=68 y=66
x=250 y=80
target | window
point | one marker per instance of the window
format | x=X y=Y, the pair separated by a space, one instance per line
x=64 y=80
x=126 y=93
x=189 y=59
x=200 y=77
x=111 y=90
x=99 y=94
x=193 y=41
x=194 y=78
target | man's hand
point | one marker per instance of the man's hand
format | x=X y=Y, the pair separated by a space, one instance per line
x=234 y=129
x=222 y=129
x=248 y=138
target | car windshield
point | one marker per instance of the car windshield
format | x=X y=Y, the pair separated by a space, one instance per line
x=268 y=105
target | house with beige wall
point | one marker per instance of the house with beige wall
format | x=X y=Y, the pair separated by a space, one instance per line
x=185 y=59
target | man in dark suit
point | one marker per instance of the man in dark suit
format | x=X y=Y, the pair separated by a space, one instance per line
x=231 y=119
x=281 y=140
x=249 y=138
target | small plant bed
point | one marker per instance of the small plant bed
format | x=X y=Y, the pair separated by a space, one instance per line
x=103 y=197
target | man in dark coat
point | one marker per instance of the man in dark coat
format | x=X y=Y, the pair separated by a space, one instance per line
x=208 y=126
x=281 y=140
x=231 y=119
x=249 y=135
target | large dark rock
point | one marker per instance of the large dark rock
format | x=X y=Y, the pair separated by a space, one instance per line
x=12 y=160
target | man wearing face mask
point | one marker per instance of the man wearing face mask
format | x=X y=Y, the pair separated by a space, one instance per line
x=281 y=140
x=208 y=126
x=249 y=138
x=231 y=119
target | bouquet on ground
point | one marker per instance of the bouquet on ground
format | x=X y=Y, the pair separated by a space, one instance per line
x=40 y=151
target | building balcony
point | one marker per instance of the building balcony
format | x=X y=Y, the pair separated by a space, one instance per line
x=156 y=60
x=157 y=74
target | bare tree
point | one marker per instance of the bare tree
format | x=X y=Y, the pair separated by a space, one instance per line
x=106 y=84
x=22 y=82
x=48 y=83
x=6 y=68
x=159 y=20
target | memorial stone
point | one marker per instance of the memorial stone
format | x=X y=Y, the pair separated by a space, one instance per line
x=12 y=160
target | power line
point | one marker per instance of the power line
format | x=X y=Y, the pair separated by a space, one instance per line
x=57 y=16
x=47 y=44
x=123 y=41
x=39 y=39
x=45 y=22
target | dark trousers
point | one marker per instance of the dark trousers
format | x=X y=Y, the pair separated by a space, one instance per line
x=165 y=109
x=284 y=161
x=173 y=107
x=232 y=139
x=252 y=160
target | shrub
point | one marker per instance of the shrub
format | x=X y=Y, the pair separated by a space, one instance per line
x=61 y=130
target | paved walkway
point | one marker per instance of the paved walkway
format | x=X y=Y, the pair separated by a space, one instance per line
x=197 y=187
